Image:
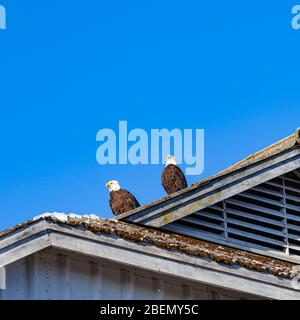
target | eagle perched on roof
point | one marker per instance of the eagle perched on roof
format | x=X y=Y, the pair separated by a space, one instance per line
x=172 y=178
x=120 y=200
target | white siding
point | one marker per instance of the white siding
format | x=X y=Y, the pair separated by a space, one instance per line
x=57 y=275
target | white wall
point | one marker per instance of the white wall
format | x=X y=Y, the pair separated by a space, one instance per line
x=59 y=275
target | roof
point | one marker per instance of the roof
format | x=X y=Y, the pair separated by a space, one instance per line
x=151 y=249
x=140 y=244
x=167 y=241
x=267 y=163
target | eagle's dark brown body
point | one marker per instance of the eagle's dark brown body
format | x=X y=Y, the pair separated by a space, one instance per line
x=173 y=179
x=122 y=201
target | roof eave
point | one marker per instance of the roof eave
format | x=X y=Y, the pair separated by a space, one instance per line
x=44 y=234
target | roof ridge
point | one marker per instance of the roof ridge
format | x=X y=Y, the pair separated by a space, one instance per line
x=266 y=152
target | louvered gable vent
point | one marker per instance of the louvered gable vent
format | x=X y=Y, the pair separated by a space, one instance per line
x=253 y=205
x=264 y=219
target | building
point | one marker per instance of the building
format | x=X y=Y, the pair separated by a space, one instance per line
x=235 y=235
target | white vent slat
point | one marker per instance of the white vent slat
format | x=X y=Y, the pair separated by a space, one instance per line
x=203 y=223
x=262 y=199
x=293 y=207
x=257 y=237
x=215 y=207
x=294 y=237
x=295 y=248
x=245 y=244
x=293 y=227
x=273 y=184
x=293 y=217
x=255 y=217
x=293 y=198
x=208 y=215
x=287 y=178
x=269 y=201
x=268 y=192
x=192 y=232
x=292 y=189
x=255 y=227
x=255 y=207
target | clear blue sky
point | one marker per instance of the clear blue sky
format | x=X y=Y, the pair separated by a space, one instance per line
x=70 y=68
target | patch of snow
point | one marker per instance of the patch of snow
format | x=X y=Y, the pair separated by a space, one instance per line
x=91 y=216
x=59 y=217
x=63 y=217
x=55 y=216
x=75 y=216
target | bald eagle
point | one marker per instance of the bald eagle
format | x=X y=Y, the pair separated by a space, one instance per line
x=172 y=177
x=120 y=200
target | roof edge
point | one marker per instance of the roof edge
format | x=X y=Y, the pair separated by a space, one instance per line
x=161 y=239
x=269 y=151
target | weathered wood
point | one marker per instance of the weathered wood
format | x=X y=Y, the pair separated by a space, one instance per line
x=22 y=234
x=2 y=278
x=32 y=245
x=166 y=216
x=179 y=269
x=149 y=257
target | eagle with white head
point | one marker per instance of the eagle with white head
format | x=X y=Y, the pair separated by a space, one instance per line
x=120 y=200
x=172 y=178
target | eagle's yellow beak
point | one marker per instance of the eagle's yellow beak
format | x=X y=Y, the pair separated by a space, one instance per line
x=107 y=185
